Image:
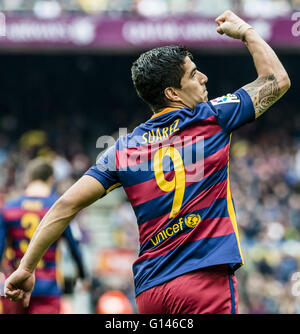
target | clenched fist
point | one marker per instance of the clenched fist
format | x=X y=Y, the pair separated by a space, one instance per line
x=232 y=25
x=19 y=286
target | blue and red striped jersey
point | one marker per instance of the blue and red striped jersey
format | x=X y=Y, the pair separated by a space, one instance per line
x=18 y=220
x=175 y=171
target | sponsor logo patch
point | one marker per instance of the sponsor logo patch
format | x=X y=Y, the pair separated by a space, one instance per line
x=228 y=98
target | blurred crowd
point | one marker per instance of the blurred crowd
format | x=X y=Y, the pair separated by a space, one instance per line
x=265 y=182
x=68 y=166
x=257 y=8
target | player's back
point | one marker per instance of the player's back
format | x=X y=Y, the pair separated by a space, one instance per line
x=182 y=202
x=21 y=217
x=175 y=171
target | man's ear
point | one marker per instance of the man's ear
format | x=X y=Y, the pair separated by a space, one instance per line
x=171 y=94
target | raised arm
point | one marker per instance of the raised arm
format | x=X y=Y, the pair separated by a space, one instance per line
x=83 y=193
x=272 y=79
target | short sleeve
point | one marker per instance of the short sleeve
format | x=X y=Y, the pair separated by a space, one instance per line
x=233 y=110
x=105 y=170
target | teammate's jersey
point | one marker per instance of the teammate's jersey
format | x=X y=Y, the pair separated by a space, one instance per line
x=175 y=171
x=18 y=221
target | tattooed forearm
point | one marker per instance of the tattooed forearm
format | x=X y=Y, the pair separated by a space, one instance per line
x=264 y=91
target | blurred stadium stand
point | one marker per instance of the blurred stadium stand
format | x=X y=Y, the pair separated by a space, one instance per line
x=264 y=8
x=57 y=105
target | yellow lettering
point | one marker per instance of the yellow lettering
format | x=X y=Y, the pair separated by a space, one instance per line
x=145 y=139
x=175 y=228
x=165 y=132
x=168 y=232
x=32 y=205
x=171 y=233
x=158 y=134
x=162 y=236
x=149 y=140
x=156 y=241
x=177 y=183
x=176 y=124
x=151 y=137
x=23 y=246
x=180 y=223
x=30 y=222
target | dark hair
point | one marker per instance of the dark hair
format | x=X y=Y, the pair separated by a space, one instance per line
x=39 y=169
x=157 y=69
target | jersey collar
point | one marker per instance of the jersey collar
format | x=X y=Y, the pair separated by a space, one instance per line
x=164 y=111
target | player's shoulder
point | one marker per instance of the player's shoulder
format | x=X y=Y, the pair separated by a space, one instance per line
x=131 y=139
x=13 y=202
x=20 y=201
x=51 y=199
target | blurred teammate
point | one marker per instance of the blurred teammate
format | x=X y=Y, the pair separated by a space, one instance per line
x=19 y=219
x=189 y=245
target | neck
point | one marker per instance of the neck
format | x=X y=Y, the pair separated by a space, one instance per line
x=38 y=188
x=175 y=106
